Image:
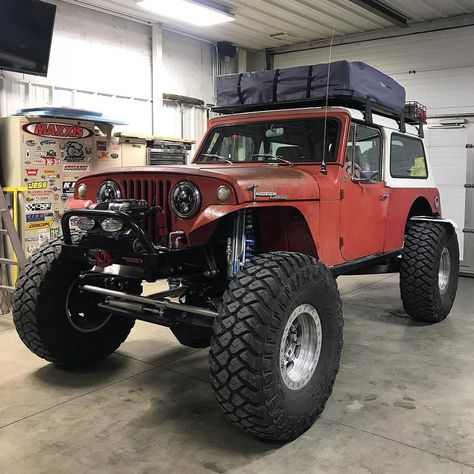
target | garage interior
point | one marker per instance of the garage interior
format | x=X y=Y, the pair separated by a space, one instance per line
x=403 y=400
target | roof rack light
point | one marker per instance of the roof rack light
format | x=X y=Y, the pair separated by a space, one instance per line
x=416 y=111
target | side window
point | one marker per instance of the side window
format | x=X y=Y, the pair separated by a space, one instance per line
x=364 y=153
x=407 y=157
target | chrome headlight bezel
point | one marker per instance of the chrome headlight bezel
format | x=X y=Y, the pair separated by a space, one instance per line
x=111 y=185
x=191 y=190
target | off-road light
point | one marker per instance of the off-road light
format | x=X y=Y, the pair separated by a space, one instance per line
x=185 y=199
x=85 y=223
x=111 y=225
x=223 y=193
x=82 y=191
x=108 y=191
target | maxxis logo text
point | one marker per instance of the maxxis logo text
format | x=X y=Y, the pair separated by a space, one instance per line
x=57 y=130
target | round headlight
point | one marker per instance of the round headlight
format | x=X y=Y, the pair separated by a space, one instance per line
x=108 y=191
x=186 y=199
x=82 y=191
x=223 y=193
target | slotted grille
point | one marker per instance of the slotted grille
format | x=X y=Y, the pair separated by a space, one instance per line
x=155 y=192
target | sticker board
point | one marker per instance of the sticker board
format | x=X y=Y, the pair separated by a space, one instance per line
x=55 y=154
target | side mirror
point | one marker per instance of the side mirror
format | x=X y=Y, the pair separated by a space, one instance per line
x=361 y=180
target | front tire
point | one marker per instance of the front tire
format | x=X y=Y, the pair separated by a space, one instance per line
x=45 y=322
x=277 y=344
x=429 y=271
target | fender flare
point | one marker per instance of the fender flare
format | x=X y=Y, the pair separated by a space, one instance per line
x=438 y=220
x=212 y=214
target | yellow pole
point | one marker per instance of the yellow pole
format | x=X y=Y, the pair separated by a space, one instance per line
x=15 y=192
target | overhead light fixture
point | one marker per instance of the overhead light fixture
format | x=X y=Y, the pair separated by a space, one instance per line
x=187 y=11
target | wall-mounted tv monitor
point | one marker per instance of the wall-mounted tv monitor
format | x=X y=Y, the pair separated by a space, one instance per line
x=26 y=30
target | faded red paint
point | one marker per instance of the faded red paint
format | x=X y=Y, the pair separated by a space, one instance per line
x=401 y=200
x=342 y=220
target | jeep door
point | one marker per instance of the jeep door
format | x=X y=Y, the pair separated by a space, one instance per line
x=364 y=196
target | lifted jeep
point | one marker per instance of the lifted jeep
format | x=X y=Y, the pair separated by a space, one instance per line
x=251 y=238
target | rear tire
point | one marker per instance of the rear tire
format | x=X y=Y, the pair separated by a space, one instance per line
x=277 y=344
x=45 y=326
x=189 y=335
x=429 y=271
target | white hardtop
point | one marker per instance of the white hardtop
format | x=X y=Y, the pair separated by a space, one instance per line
x=383 y=121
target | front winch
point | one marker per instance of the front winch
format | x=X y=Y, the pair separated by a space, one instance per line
x=136 y=208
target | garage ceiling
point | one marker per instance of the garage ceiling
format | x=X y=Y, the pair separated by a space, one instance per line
x=261 y=24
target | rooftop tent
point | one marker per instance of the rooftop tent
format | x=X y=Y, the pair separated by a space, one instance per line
x=349 y=82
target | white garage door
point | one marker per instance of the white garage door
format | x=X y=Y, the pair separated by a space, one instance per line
x=448 y=155
x=436 y=68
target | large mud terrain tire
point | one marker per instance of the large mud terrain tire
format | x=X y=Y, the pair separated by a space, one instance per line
x=277 y=344
x=47 y=327
x=429 y=271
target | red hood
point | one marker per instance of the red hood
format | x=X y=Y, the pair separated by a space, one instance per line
x=283 y=180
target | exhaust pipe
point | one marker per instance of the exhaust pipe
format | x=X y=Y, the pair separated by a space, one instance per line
x=161 y=304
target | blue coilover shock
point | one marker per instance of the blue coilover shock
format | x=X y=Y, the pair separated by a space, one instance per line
x=250 y=244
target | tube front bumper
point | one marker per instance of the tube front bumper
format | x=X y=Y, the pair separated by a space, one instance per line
x=131 y=246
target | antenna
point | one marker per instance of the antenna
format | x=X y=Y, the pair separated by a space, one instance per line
x=323 y=168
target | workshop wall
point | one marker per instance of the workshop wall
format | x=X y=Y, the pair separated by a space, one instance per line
x=102 y=62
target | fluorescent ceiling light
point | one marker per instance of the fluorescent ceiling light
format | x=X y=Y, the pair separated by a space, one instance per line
x=187 y=11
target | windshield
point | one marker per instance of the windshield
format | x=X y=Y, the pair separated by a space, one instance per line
x=296 y=141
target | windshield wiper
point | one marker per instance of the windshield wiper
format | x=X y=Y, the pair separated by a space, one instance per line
x=219 y=157
x=273 y=157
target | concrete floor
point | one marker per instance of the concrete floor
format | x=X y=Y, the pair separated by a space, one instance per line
x=403 y=402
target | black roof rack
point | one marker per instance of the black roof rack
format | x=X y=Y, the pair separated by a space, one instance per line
x=414 y=113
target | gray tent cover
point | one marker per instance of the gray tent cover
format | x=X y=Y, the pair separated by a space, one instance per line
x=348 y=81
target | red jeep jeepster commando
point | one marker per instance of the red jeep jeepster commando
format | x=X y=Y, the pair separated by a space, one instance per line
x=279 y=200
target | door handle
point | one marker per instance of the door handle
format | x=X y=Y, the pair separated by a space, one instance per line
x=384 y=196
